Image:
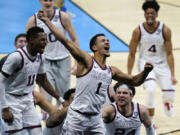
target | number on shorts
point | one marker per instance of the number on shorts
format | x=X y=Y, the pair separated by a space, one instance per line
x=98 y=88
x=52 y=38
x=120 y=131
x=31 y=80
x=152 y=48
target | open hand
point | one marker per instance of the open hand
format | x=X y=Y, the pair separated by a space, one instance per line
x=174 y=81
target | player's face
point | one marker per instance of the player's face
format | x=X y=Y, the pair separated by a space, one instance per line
x=102 y=46
x=123 y=97
x=38 y=44
x=21 y=42
x=47 y=4
x=150 y=16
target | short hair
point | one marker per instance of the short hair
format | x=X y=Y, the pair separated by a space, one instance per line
x=93 y=40
x=118 y=84
x=68 y=93
x=33 y=32
x=18 y=36
x=151 y=4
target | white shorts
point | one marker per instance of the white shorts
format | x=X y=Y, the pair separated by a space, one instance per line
x=54 y=130
x=80 y=124
x=24 y=112
x=161 y=73
x=58 y=74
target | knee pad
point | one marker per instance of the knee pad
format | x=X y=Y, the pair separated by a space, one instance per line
x=150 y=87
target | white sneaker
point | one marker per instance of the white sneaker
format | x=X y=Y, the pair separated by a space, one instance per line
x=168 y=109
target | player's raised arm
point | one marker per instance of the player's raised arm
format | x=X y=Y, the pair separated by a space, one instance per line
x=30 y=23
x=136 y=80
x=76 y=52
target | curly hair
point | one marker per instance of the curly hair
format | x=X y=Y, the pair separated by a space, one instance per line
x=151 y=4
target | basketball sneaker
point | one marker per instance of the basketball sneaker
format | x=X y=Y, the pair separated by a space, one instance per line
x=168 y=109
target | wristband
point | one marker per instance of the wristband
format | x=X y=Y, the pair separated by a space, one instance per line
x=61 y=100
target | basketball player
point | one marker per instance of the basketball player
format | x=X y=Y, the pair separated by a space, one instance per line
x=57 y=115
x=155 y=46
x=57 y=57
x=20 y=41
x=125 y=116
x=93 y=79
x=17 y=83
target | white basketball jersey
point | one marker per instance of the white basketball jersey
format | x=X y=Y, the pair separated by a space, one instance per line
x=54 y=50
x=108 y=99
x=22 y=80
x=91 y=89
x=122 y=125
x=151 y=47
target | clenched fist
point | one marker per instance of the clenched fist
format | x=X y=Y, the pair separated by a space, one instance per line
x=7 y=115
x=42 y=15
x=148 y=67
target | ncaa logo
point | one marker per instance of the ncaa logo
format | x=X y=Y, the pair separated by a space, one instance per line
x=158 y=31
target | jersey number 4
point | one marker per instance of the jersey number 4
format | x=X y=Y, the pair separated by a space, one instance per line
x=152 y=48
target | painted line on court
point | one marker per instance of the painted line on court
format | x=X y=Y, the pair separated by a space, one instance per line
x=173 y=131
x=99 y=23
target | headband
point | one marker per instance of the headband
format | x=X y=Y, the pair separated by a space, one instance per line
x=126 y=87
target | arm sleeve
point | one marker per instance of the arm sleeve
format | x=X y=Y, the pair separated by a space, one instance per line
x=2 y=91
x=12 y=62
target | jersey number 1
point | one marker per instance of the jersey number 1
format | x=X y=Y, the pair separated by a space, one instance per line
x=98 y=88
